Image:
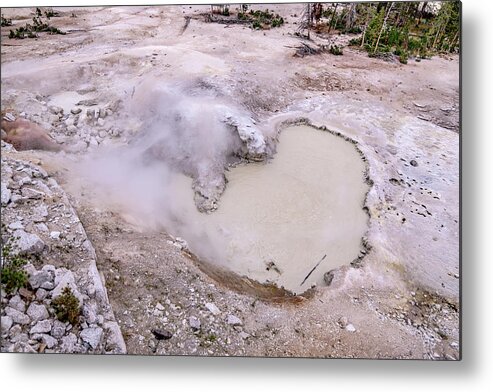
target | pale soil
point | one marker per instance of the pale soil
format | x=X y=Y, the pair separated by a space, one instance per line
x=403 y=301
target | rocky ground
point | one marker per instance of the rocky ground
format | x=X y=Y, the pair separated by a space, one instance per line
x=140 y=290
x=40 y=225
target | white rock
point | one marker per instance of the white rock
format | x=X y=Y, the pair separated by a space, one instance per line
x=233 y=320
x=55 y=235
x=114 y=342
x=17 y=303
x=64 y=278
x=31 y=193
x=350 y=328
x=159 y=306
x=5 y=194
x=40 y=213
x=41 y=294
x=55 y=109
x=23 y=347
x=212 y=308
x=244 y=335
x=27 y=243
x=89 y=313
x=68 y=343
x=42 y=279
x=92 y=336
x=37 y=312
x=43 y=326
x=58 y=329
x=17 y=317
x=42 y=227
x=17 y=225
x=194 y=323
x=6 y=323
x=46 y=339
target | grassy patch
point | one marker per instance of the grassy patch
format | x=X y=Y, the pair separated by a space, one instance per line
x=13 y=276
x=66 y=307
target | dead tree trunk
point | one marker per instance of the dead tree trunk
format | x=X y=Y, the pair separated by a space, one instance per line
x=366 y=25
x=383 y=26
x=332 y=19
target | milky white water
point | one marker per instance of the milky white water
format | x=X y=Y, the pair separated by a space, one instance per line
x=305 y=203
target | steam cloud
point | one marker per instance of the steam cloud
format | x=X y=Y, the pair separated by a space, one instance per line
x=183 y=131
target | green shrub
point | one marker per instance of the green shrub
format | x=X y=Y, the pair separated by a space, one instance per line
x=335 y=50
x=29 y=31
x=403 y=58
x=66 y=307
x=13 y=276
x=355 y=42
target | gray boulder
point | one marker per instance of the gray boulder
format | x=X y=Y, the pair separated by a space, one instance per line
x=27 y=243
x=17 y=317
x=37 y=312
x=92 y=336
x=43 y=326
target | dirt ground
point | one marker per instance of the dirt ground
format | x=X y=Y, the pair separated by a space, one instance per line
x=402 y=302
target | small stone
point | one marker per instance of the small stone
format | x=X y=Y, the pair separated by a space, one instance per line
x=17 y=317
x=43 y=326
x=64 y=278
x=5 y=194
x=25 y=293
x=194 y=323
x=75 y=110
x=92 y=336
x=329 y=277
x=17 y=225
x=55 y=109
x=15 y=331
x=89 y=314
x=212 y=308
x=343 y=322
x=31 y=193
x=28 y=243
x=49 y=341
x=244 y=335
x=39 y=279
x=42 y=227
x=55 y=235
x=58 y=329
x=233 y=320
x=161 y=334
x=88 y=102
x=17 y=303
x=6 y=323
x=159 y=306
x=40 y=213
x=68 y=343
x=41 y=294
x=37 y=312
x=23 y=347
x=101 y=122
x=350 y=328
x=413 y=163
